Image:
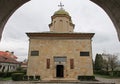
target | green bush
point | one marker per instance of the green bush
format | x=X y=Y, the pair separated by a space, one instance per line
x=17 y=76
x=101 y=72
x=9 y=74
x=5 y=74
x=37 y=77
x=85 y=78
x=25 y=78
x=109 y=73
x=31 y=78
x=115 y=73
x=2 y=74
x=21 y=70
x=118 y=73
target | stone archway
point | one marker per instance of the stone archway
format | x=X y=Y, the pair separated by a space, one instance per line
x=111 y=7
x=7 y=8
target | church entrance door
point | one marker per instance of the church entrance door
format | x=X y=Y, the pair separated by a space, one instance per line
x=60 y=71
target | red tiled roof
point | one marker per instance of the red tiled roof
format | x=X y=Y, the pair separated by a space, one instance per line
x=24 y=63
x=7 y=57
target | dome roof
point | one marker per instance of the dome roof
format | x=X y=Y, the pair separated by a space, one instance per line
x=61 y=12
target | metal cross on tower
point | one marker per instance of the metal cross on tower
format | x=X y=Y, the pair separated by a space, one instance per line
x=61 y=5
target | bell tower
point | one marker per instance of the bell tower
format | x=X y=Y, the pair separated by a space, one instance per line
x=61 y=21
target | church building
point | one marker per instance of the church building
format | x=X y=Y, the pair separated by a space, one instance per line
x=60 y=53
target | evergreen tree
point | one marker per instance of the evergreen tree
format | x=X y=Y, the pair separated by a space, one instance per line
x=98 y=62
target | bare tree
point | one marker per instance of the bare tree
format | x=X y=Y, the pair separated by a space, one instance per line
x=110 y=62
x=113 y=62
x=105 y=65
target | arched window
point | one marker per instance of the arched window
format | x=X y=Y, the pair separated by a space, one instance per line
x=48 y=64
x=54 y=25
x=61 y=24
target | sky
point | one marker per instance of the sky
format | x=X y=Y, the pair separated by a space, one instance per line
x=35 y=15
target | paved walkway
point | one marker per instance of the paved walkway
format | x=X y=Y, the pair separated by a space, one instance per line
x=27 y=82
x=106 y=80
x=103 y=80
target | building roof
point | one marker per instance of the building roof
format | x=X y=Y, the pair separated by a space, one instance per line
x=60 y=35
x=7 y=57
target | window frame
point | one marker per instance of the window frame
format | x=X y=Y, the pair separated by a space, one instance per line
x=48 y=63
x=84 y=53
x=71 y=63
x=60 y=59
x=34 y=53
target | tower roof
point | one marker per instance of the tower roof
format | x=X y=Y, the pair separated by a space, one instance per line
x=61 y=21
x=61 y=11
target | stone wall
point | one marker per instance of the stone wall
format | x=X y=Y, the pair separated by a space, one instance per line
x=69 y=48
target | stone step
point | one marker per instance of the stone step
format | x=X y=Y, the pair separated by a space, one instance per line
x=70 y=82
x=39 y=82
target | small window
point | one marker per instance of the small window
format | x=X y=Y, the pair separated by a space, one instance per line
x=48 y=64
x=71 y=63
x=34 y=53
x=84 y=53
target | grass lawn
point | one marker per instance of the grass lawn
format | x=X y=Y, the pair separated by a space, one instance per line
x=5 y=79
x=105 y=76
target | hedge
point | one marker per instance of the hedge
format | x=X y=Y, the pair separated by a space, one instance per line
x=31 y=78
x=37 y=77
x=114 y=73
x=101 y=72
x=25 y=78
x=109 y=73
x=5 y=74
x=17 y=76
x=86 y=78
x=9 y=74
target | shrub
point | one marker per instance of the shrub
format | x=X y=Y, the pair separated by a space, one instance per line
x=109 y=73
x=17 y=76
x=37 y=77
x=2 y=74
x=25 y=78
x=115 y=73
x=21 y=70
x=118 y=73
x=85 y=78
x=31 y=78
x=9 y=74
x=5 y=74
x=101 y=72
